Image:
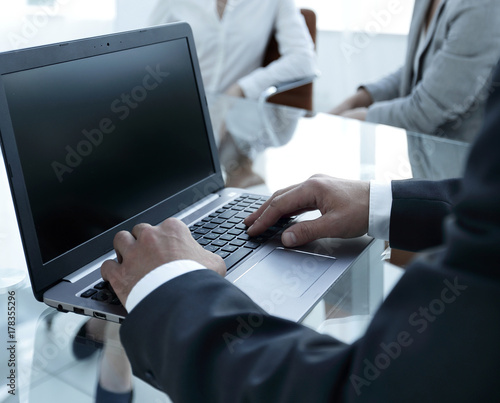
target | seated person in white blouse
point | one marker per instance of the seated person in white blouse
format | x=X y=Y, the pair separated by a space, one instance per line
x=231 y=37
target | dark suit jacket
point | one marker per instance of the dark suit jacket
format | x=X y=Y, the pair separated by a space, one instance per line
x=417 y=212
x=435 y=338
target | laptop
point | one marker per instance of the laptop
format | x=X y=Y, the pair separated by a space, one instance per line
x=104 y=133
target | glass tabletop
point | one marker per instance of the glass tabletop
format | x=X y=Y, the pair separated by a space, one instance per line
x=262 y=148
x=269 y=146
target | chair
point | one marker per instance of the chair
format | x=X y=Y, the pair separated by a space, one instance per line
x=298 y=93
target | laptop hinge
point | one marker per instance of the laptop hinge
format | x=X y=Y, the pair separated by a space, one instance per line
x=89 y=268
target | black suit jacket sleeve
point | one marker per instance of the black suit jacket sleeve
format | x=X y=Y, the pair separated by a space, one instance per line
x=418 y=210
x=434 y=339
x=199 y=339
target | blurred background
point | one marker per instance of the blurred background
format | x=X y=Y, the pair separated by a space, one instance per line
x=358 y=40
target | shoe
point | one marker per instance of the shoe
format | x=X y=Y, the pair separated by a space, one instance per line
x=84 y=345
x=105 y=396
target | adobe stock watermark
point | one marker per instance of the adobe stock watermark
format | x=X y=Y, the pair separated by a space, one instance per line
x=48 y=352
x=424 y=153
x=244 y=330
x=291 y=282
x=381 y=19
x=121 y=107
x=428 y=148
x=32 y=24
x=479 y=94
x=419 y=322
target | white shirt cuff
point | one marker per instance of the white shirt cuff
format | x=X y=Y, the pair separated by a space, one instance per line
x=158 y=277
x=380 y=210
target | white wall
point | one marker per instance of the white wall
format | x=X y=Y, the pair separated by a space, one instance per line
x=132 y=14
x=25 y=25
x=344 y=66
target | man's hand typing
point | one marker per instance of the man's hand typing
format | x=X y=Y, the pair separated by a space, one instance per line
x=344 y=206
x=147 y=247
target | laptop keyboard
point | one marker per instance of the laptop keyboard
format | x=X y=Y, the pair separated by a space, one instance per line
x=224 y=233
x=221 y=232
x=102 y=292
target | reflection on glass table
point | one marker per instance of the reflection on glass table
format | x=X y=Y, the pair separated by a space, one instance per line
x=436 y=158
x=263 y=148
x=243 y=130
x=272 y=146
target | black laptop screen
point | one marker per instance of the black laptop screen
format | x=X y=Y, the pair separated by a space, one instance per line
x=104 y=138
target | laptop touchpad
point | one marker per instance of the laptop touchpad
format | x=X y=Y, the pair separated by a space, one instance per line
x=283 y=272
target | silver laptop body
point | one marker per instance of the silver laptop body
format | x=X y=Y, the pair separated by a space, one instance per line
x=104 y=133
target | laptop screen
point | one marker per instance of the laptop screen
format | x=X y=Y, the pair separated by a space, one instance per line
x=103 y=138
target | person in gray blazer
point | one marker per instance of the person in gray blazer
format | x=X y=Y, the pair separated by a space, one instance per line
x=453 y=47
